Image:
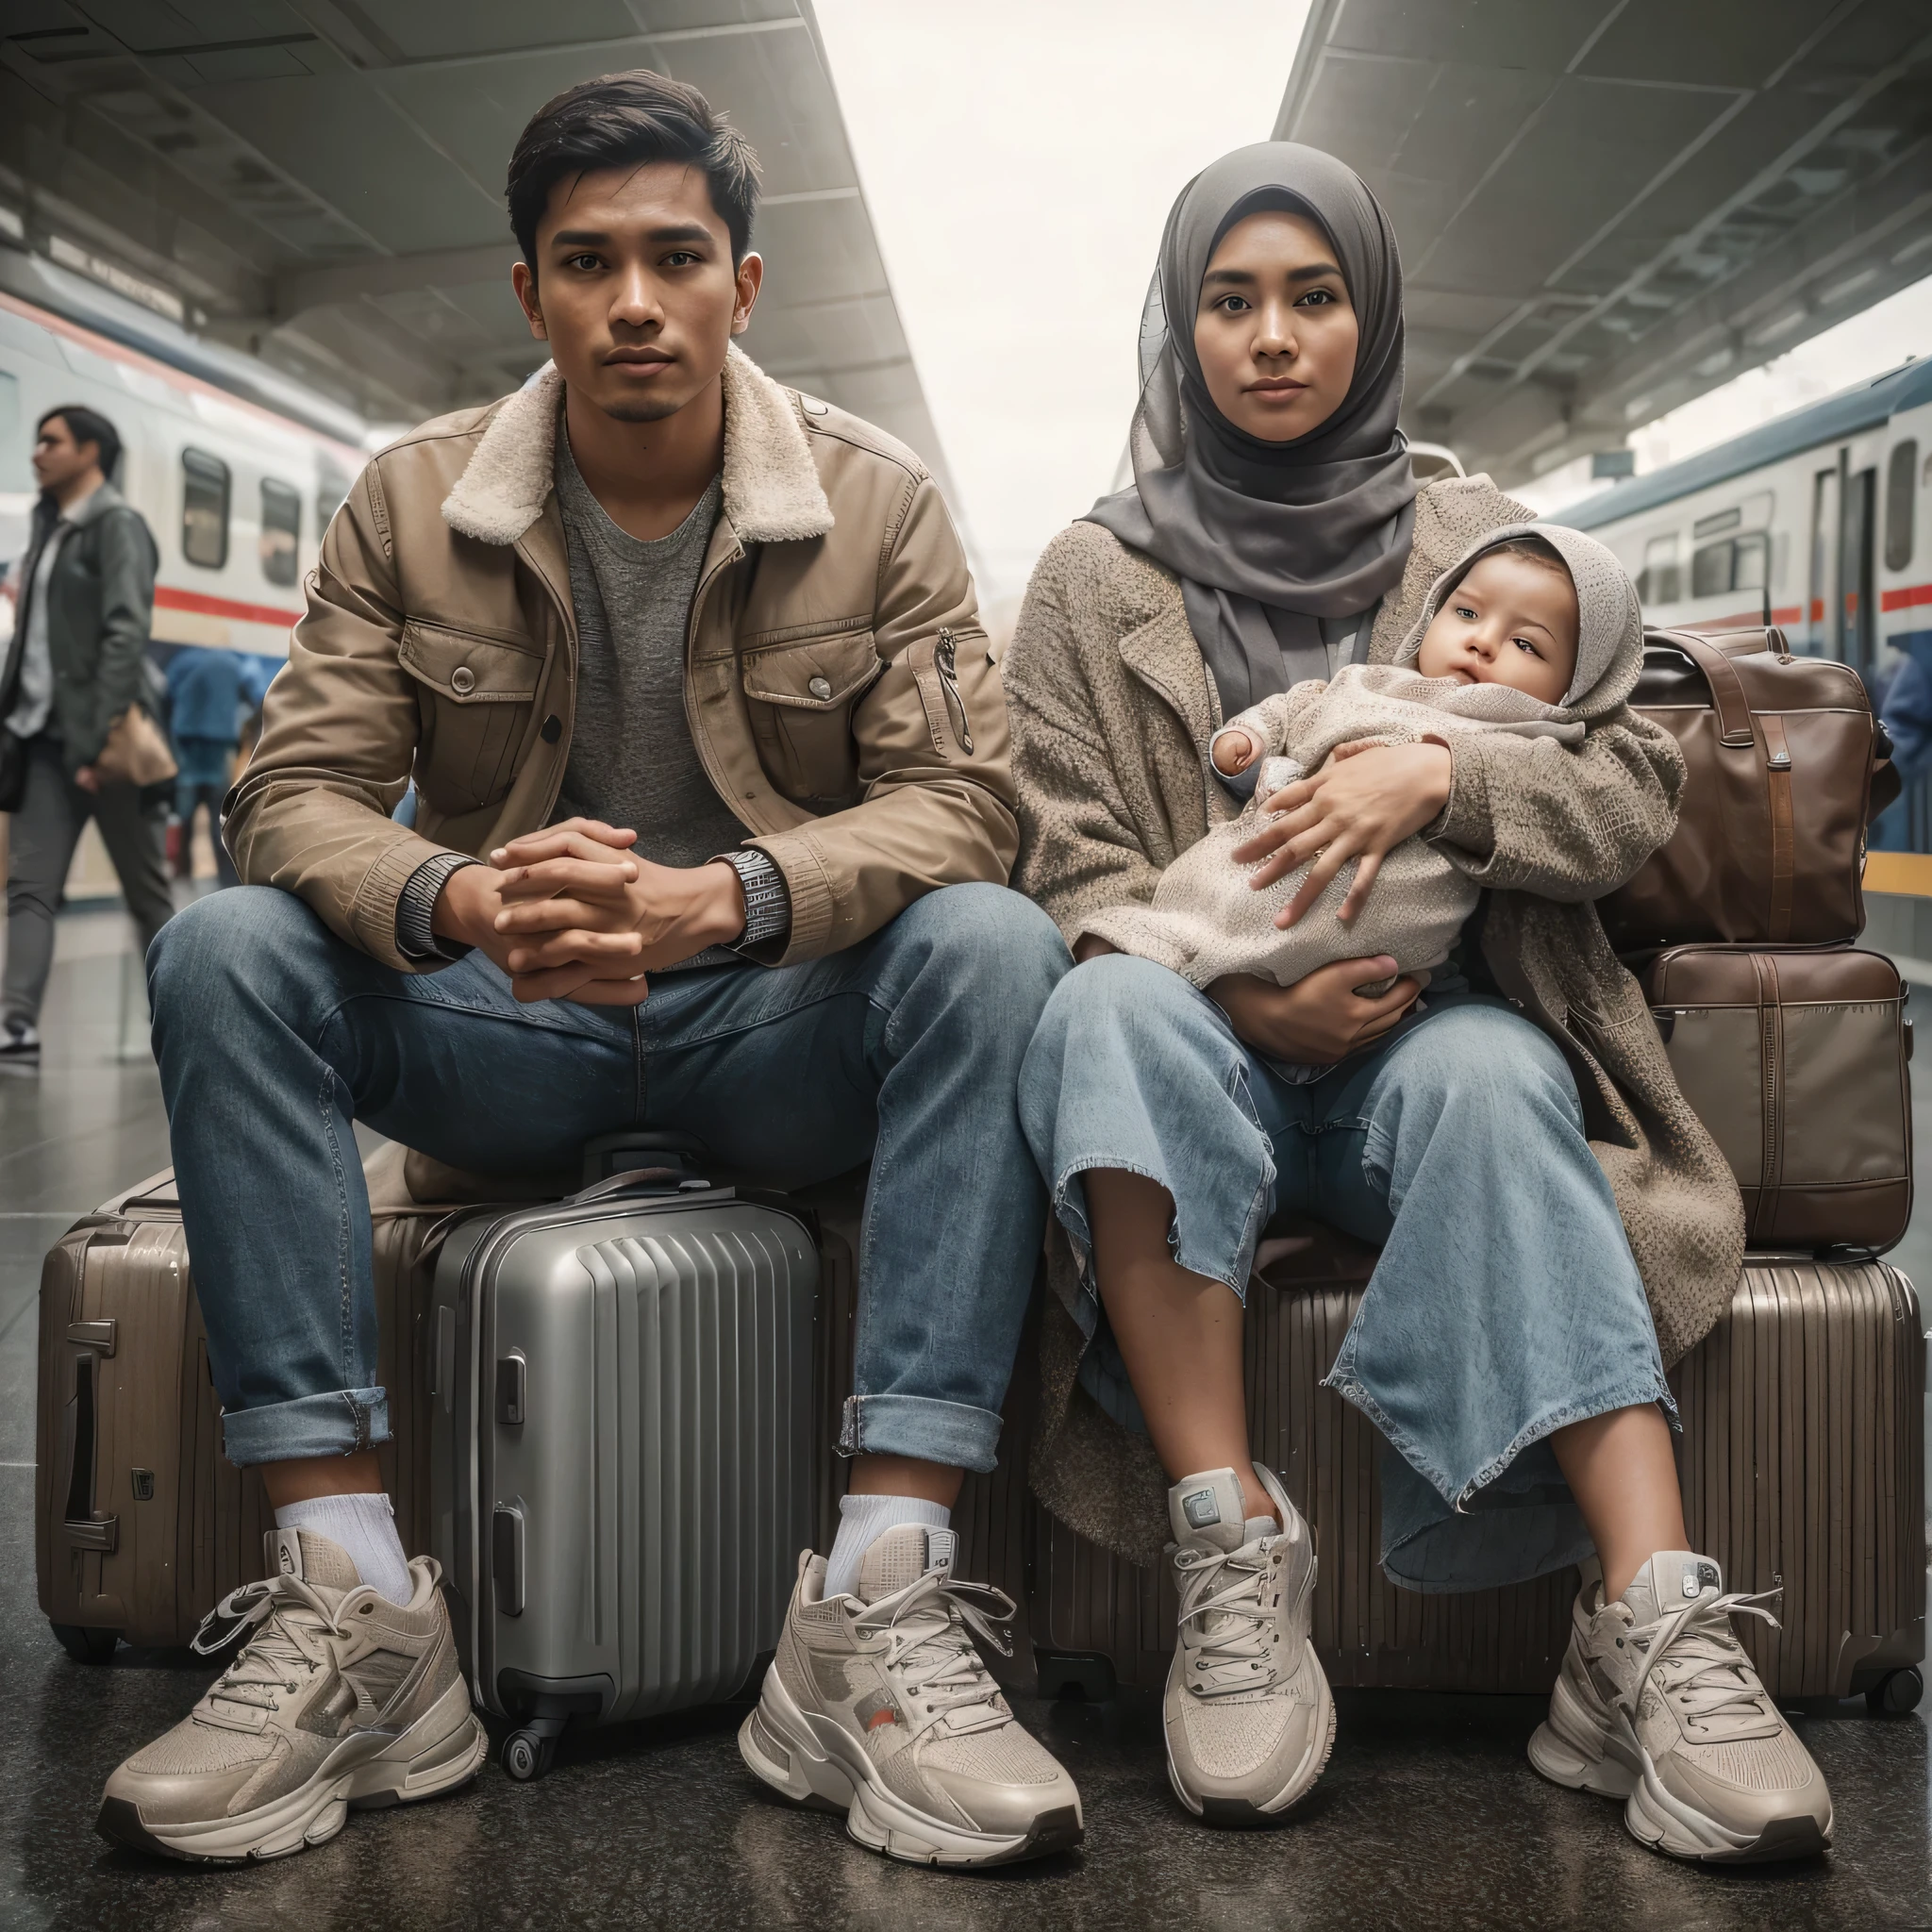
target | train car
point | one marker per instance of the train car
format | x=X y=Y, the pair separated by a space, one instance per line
x=1820 y=519
x=1820 y=516
x=236 y=486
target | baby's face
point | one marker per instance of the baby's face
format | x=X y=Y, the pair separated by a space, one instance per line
x=1510 y=620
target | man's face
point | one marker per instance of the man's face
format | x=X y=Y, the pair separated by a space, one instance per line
x=57 y=460
x=635 y=290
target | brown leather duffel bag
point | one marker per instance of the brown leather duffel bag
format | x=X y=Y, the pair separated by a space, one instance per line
x=1796 y=1063
x=1771 y=834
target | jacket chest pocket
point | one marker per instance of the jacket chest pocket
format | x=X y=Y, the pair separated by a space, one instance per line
x=473 y=695
x=802 y=697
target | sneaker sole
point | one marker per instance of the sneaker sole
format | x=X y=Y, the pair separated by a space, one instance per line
x=1554 y=1756
x=812 y=1761
x=1679 y=1832
x=407 y=1771
x=1702 y=1841
x=1239 y=1813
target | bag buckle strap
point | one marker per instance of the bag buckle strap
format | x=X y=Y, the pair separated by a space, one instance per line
x=1777 y=779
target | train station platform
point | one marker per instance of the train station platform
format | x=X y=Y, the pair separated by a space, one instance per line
x=1429 y=1814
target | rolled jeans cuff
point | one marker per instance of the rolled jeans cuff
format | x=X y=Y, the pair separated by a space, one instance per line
x=338 y=1424
x=952 y=1433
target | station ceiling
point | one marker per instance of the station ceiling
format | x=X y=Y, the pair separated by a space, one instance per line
x=320 y=182
x=1607 y=207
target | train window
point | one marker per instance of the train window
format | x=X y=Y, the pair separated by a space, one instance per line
x=282 y=526
x=1709 y=527
x=1750 y=563
x=1661 y=580
x=1711 y=569
x=1900 y=474
x=203 y=509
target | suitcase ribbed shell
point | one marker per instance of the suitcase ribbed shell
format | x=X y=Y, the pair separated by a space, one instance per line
x=1802 y=1463
x=625 y=1447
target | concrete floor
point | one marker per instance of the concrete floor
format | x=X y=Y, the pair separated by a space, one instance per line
x=1429 y=1814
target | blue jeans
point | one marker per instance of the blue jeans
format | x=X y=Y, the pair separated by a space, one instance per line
x=273 y=1035
x=1506 y=1303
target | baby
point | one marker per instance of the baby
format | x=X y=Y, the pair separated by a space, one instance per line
x=1536 y=630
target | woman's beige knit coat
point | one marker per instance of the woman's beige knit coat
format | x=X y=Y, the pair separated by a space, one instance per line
x=1112 y=709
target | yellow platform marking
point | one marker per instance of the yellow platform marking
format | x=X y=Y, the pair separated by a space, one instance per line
x=1909 y=873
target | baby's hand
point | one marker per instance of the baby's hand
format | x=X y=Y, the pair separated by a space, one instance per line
x=1235 y=748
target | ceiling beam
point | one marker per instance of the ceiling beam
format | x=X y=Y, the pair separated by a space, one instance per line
x=299 y=289
x=1782 y=299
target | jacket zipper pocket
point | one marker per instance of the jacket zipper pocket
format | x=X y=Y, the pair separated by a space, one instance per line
x=945 y=659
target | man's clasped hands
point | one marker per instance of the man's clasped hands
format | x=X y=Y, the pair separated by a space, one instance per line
x=573 y=914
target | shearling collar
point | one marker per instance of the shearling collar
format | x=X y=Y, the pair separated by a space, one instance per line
x=771 y=490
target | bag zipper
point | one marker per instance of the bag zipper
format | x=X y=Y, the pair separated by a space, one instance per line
x=945 y=658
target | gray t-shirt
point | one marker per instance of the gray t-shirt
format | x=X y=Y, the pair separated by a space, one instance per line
x=632 y=761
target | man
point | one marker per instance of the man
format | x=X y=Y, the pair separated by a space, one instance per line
x=87 y=598
x=612 y=624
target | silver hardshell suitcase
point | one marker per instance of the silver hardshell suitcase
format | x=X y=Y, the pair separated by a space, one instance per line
x=621 y=1475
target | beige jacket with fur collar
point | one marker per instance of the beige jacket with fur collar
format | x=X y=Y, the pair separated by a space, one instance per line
x=1112 y=710
x=837 y=681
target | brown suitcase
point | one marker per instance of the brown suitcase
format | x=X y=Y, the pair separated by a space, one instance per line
x=1802 y=1464
x=1769 y=843
x=141 y=1523
x=1796 y=1061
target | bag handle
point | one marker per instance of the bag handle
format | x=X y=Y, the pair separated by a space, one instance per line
x=1726 y=688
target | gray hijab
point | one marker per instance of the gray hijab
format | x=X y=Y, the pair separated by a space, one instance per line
x=1269 y=538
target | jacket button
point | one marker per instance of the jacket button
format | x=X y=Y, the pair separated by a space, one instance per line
x=820 y=687
x=462 y=680
x=553 y=729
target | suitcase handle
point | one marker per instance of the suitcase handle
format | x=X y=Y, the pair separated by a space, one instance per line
x=639 y=1180
x=83 y=1527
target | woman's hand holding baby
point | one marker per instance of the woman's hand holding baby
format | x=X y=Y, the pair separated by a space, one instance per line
x=1361 y=805
x=1320 y=1019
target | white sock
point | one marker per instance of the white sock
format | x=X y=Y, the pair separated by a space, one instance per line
x=365 y=1526
x=862 y=1520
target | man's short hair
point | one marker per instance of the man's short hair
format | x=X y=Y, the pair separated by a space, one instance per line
x=87 y=426
x=630 y=120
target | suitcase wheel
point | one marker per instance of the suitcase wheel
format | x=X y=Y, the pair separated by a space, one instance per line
x=1896 y=1692
x=87 y=1646
x=527 y=1754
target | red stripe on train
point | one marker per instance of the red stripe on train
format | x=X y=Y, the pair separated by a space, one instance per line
x=1750 y=620
x=168 y=598
x=1904 y=600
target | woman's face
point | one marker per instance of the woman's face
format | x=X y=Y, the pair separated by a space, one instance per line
x=1276 y=332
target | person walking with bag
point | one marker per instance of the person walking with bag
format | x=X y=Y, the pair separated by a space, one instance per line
x=73 y=674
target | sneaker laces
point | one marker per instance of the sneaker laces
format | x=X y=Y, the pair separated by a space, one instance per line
x=299 y=1623
x=929 y=1628
x=1232 y=1624
x=1708 y=1673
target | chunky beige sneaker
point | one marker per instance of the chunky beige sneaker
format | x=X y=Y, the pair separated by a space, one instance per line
x=1658 y=1704
x=878 y=1706
x=340 y=1701
x=1250 y=1719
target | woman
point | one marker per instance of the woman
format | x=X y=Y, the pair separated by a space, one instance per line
x=1499 y=1140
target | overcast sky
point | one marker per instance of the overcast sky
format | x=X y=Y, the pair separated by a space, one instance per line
x=1019 y=158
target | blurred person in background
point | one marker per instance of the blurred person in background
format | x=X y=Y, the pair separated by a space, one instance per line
x=207 y=699
x=75 y=664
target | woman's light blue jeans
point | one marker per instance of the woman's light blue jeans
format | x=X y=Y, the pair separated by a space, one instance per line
x=1506 y=1303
